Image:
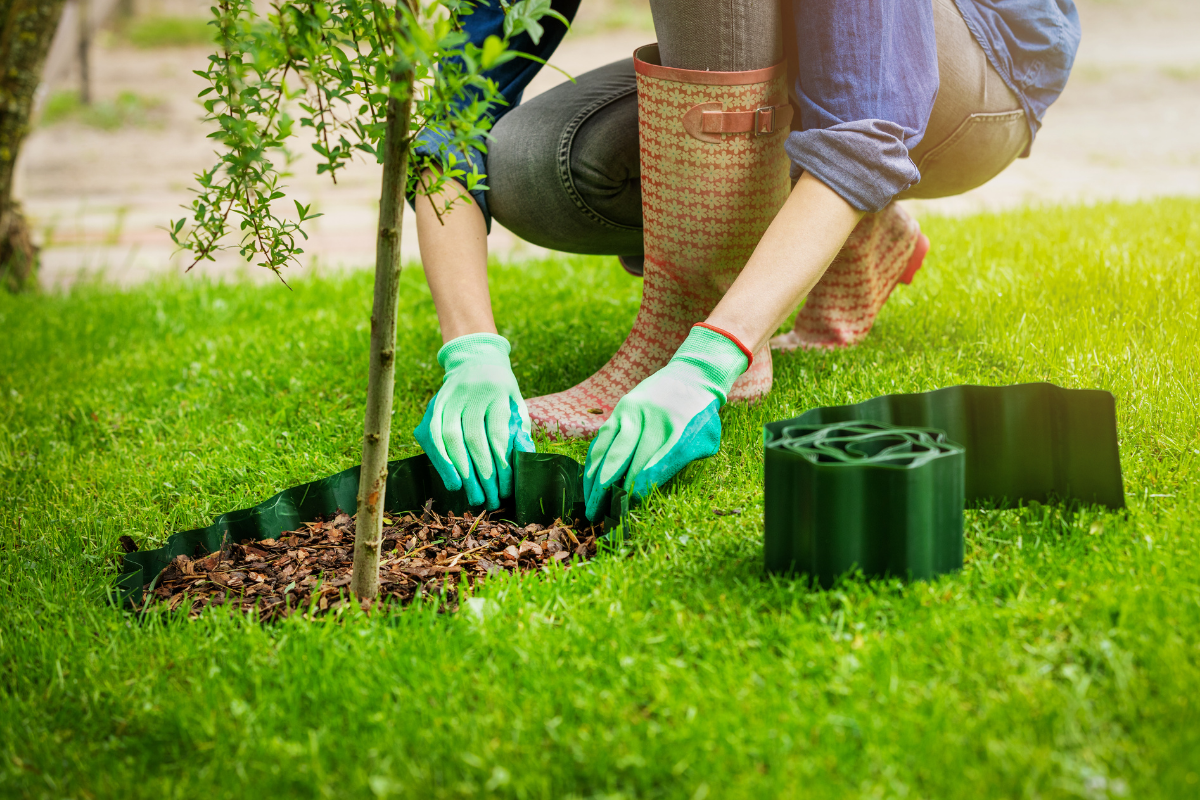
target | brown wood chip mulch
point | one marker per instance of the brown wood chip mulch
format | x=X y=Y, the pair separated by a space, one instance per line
x=309 y=569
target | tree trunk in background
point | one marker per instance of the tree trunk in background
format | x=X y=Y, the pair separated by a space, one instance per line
x=28 y=27
x=372 y=482
x=85 y=49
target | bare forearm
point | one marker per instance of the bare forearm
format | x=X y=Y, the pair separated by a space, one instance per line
x=792 y=256
x=454 y=255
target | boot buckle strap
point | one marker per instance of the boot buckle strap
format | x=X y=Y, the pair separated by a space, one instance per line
x=708 y=122
x=764 y=121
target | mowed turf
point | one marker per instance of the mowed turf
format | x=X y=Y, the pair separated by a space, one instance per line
x=1063 y=661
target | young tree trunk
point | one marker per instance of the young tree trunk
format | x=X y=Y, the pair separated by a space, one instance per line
x=28 y=27
x=364 y=581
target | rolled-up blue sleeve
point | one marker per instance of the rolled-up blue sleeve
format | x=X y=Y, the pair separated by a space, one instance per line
x=866 y=77
x=511 y=78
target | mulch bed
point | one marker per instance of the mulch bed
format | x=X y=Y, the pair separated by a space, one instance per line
x=308 y=570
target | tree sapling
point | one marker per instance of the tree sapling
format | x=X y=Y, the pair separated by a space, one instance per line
x=366 y=77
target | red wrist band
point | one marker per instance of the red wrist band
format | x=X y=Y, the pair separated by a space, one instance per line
x=745 y=350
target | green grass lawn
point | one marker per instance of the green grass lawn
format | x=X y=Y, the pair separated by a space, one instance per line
x=1063 y=661
x=127 y=109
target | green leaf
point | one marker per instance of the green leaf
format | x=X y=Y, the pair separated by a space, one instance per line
x=522 y=17
x=493 y=48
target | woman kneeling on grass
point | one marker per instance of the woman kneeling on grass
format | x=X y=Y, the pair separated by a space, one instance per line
x=677 y=161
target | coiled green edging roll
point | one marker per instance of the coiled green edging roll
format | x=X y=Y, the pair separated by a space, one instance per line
x=881 y=485
x=547 y=487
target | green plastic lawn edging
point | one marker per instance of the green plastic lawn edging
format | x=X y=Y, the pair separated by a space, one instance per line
x=881 y=485
x=546 y=487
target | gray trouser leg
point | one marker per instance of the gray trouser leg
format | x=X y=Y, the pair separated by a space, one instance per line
x=721 y=35
x=564 y=167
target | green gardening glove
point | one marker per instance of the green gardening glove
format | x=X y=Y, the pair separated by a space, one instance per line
x=667 y=421
x=476 y=420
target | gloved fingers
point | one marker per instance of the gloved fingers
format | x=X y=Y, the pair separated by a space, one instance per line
x=519 y=439
x=651 y=442
x=595 y=454
x=476 y=435
x=620 y=453
x=611 y=463
x=653 y=471
x=475 y=493
x=522 y=427
x=429 y=435
x=491 y=492
x=501 y=426
x=701 y=438
x=456 y=447
x=591 y=467
x=480 y=446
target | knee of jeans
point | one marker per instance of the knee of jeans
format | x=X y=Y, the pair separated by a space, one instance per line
x=605 y=163
x=520 y=167
x=535 y=195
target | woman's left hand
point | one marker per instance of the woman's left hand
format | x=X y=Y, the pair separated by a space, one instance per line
x=667 y=421
x=671 y=418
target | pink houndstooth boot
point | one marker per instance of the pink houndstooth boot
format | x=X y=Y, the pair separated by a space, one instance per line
x=714 y=174
x=884 y=249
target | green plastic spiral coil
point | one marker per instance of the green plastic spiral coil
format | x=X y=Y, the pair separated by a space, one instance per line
x=880 y=486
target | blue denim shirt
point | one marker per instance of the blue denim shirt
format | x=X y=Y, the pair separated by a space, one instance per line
x=864 y=75
x=1031 y=43
x=866 y=78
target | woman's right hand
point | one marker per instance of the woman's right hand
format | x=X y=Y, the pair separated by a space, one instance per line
x=477 y=419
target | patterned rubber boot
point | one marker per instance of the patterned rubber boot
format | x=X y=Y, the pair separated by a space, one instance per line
x=884 y=249
x=714 y=174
